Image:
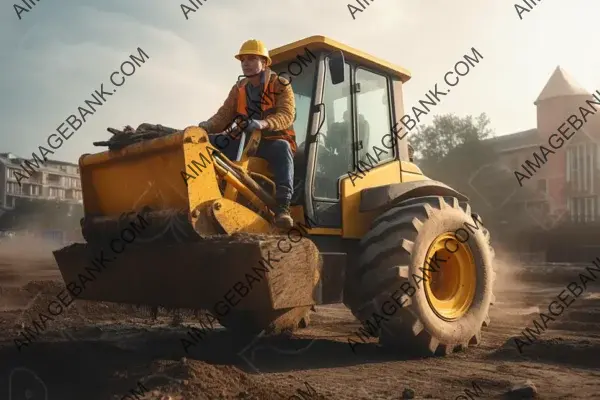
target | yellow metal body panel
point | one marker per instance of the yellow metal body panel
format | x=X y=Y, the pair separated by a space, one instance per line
x=260 y=166
x=234 y=217
x=326 y=231
x=406 y=166
x=410 y=172
x=150 y=174
x=411 y=176
x=314 y=43
x=142 y=174
x=231 y=190
x=204 y=186
x=356 y=224
x=234 y=185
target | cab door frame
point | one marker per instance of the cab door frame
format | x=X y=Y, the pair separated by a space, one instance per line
x=325 y=212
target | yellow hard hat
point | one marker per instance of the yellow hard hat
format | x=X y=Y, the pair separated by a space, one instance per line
x=255 y=47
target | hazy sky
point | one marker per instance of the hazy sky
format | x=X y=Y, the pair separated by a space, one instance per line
x=62 y=50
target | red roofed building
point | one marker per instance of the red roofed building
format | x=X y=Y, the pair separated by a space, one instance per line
x=570 y=179
x=565 y=189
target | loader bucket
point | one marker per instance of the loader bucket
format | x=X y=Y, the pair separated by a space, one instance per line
x=244 y=272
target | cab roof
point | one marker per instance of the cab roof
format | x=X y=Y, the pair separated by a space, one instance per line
x=318 y=43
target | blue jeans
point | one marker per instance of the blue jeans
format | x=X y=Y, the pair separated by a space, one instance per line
x=278 y=154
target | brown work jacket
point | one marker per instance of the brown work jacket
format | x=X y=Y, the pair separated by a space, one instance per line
x=277 y=105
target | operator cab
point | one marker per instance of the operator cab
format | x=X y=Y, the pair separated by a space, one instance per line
x=346 y=102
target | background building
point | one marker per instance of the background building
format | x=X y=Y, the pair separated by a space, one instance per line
x=562 y=197
x=47 y=204
x=55 y=180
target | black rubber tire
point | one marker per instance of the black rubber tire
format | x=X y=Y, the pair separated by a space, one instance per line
x=392 y=251
x=488 y=239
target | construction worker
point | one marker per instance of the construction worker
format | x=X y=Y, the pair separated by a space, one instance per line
x=266 y=102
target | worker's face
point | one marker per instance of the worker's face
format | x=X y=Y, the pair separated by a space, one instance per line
x=252 y=65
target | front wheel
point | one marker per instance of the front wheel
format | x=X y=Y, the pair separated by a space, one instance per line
x=423 y=281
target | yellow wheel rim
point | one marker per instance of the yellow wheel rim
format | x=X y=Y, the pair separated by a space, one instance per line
x=450 y=290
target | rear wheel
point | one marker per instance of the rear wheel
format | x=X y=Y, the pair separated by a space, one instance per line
x=423 y=281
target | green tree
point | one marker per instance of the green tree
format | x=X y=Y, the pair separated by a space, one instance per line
x=448 y=132
x=454 y=150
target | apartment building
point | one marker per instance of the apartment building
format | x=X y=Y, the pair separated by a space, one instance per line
x=55 y=180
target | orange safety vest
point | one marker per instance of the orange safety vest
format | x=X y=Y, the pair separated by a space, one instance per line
x=267 y=105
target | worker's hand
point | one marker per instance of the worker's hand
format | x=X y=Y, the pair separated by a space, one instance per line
x=256 y=124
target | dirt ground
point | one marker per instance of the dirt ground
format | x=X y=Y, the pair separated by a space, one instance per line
x=103 y=351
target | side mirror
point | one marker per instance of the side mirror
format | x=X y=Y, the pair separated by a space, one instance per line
x=336 y=67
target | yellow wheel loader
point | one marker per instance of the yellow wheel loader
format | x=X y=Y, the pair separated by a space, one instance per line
x=171 y=222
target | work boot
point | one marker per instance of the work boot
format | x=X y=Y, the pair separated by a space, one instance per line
x=283 y=219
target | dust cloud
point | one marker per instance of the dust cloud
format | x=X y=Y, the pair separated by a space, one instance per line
x=25 y=257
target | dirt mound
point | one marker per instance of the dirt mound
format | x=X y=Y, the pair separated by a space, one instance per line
x=190 y=379
x=182 y=379
x=22 y=306
x=117 y=373
x=578 y=353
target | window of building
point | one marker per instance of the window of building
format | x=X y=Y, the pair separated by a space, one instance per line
x=56 y=180
x=36 y=177
x=581 y=166
x=13 y=188
x=590 y=209
x=583 y=209
x=10 y=173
